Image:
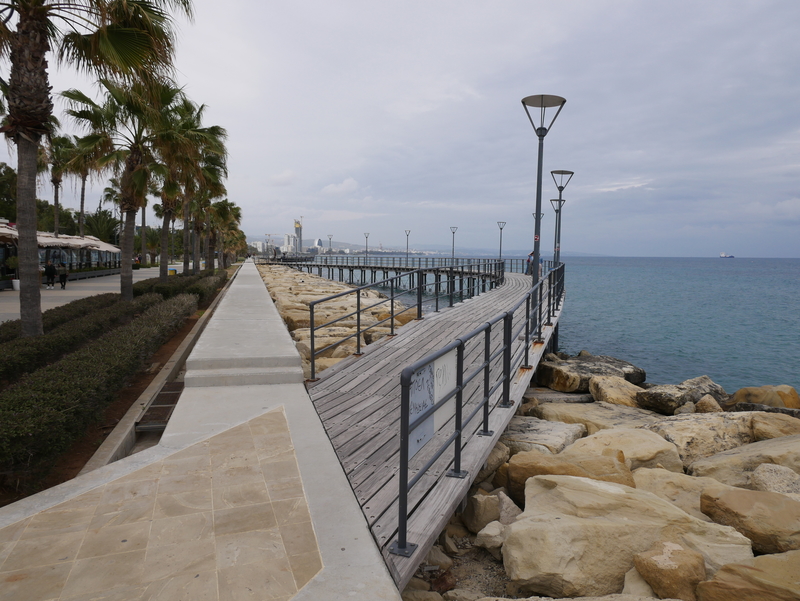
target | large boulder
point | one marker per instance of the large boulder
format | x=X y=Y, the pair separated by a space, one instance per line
x=573 y=374
x=769 y=519
x=614 y=390
x=671 y=570
x=679 y=489
x=773 y=425
x=532 y=433
x=497 y=457
x=485 y=508
x=667 y=398
x=641 y=448
x=772 y=396
x=577 y=537
x=597 y=416
x=522 y=466
x=705 y=434
x=776 y=478
x=734 y=467
x=768 y=577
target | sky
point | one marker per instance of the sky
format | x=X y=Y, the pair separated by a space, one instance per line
x=682 y=121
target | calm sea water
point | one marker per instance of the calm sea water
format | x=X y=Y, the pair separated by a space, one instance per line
x=734 y=320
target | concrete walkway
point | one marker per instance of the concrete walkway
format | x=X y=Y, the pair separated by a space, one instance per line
x=243 y=498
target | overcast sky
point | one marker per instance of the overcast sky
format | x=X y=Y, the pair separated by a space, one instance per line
x=682 y=120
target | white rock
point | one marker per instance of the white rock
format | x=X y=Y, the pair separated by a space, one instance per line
x=492 y=538
x=527 y=433
x=597 y=416
x=636 y=585
x=642 y=448
x=704 y=434
x=679 y=489
x=775 y=478
x=614 y=390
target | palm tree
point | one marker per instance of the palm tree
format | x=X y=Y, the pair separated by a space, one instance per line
x=129 y=119
x=132 y=38
x=102 y=224
x=82 y=164
x=225 y=218
x=59 y=151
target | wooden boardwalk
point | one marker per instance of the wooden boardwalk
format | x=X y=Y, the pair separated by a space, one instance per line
x=358 y=401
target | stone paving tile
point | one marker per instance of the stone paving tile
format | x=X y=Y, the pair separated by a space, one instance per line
x=224 y=520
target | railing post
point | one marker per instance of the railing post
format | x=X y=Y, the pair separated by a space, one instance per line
x=487 y=371
x=358 y=322
x=539 y=313
x=311 y=327
x=507 y=331
x=420 y=285
x=457 y=472
x=437 y=279
x=527 y=364
x=452 y=284
x=391 y=306
x=401 y=546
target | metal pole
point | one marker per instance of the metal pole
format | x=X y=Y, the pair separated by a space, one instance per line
x=538 y=225
x=407 y=233
x=366 y=247
x=453 y=254
x=501 y=225
x=330 y=249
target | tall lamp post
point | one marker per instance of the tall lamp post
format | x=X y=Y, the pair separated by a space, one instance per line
x=366 y=246
x=453 y=254
x=541 y=102
x=557 y=204
x=407 y=233
x=330 y=248
x=501 y=225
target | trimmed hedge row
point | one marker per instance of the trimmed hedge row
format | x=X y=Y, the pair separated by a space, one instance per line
x=175 y=284
x=25 y=355
x=52 y=318
x=47 y=410
x=207 y=287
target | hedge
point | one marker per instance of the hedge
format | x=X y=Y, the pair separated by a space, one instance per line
x=25 y=355
x=47 y=410
x=208 y=286
x=176 y=284
x=52 y=318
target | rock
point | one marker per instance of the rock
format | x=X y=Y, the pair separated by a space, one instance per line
x=636 y=585
x=773 y=425
x=481 y=509
x=764 y=578
x=462 y=594
x=577 y=537
x=765 y=408
x=533 y=463
x=769 y=519
x=707 y=404
x=642 y=448
x=573 y=374
x=497 y=457
x=491 y=538
x=666 y=398
x=527 y=409
x=597 y=416
x=679 y=489
x=686 y=408
x=775 y=478
x=418 y=584
x=671 y=570
x=542 y=395
x=529 y=433
x=705 y=434
x=449 y=545
x=735 y=466
x=436 y=557
x=414 y=595
x=603 y=598
x=444 y=582
x=614 y=390
x=772 y=396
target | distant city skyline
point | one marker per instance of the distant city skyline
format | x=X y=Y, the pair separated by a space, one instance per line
x=681 y=123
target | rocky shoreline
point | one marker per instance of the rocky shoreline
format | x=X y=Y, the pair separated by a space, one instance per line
x=605 y=487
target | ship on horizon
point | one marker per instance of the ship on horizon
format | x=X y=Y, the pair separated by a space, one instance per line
x=725 y=256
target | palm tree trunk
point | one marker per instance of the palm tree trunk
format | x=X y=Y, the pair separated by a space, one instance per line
x=55 y=208
x=164 y=261
x=30 y=296
x=143 y=236
x=196 y=250
x=210 y=246
x=83 y=198
x=186 y=234
x=126 y=246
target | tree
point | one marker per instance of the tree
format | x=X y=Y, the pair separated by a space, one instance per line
x=102 y=224
x=59 y=151
x=8 y=193
x=83 y=163
x=132 y=39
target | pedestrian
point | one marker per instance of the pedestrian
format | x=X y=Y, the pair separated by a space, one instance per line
x=529 y=266
x=62 y=275
x=50 y=275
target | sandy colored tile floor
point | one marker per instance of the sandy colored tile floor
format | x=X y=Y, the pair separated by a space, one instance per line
x=225 y=519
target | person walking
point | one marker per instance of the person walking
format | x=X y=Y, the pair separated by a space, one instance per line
x=62 y=275
x=50 y=275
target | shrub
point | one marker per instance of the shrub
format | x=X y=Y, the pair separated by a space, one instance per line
x=52 y=318
x=208 y=286
x=47 y=410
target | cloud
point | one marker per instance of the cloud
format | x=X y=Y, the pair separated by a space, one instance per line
x=347 y=186
x=286 y=178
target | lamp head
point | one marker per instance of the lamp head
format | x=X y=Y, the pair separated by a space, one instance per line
x=542 y=102
x=559 y=175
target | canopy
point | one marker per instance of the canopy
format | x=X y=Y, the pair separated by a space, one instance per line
x=9 y=235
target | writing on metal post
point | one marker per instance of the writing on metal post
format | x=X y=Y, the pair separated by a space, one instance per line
x=429 y=385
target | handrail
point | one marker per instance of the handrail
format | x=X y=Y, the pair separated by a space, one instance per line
x=428 y=389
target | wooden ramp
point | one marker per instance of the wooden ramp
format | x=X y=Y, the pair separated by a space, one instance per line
x=358 y=401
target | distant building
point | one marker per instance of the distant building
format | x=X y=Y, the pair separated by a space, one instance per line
x=298 y=234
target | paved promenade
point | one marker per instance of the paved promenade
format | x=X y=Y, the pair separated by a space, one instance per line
x=243 y=498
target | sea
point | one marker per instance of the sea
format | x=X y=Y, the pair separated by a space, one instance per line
x=735 y=320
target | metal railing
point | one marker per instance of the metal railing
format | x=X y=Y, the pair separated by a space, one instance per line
x=451 y=284
x=472 y=375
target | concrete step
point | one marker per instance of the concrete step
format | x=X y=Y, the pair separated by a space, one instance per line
x=289 y=359
x=243 y=376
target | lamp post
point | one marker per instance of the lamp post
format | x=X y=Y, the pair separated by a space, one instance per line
x=557 y=204
x=501 y=225
x=330 y=249
x=453 y=254
x=541 y=102
x=366 y=246
x=407 y=233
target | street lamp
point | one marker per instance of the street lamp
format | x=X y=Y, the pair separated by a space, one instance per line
x=557 y=204
x=407 y=233
x=453 y=255
x=330 y=250
x=541 y=102
x=501 y=225
x=366 y=246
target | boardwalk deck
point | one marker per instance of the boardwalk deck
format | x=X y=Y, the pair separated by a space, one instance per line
x=358 y=401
